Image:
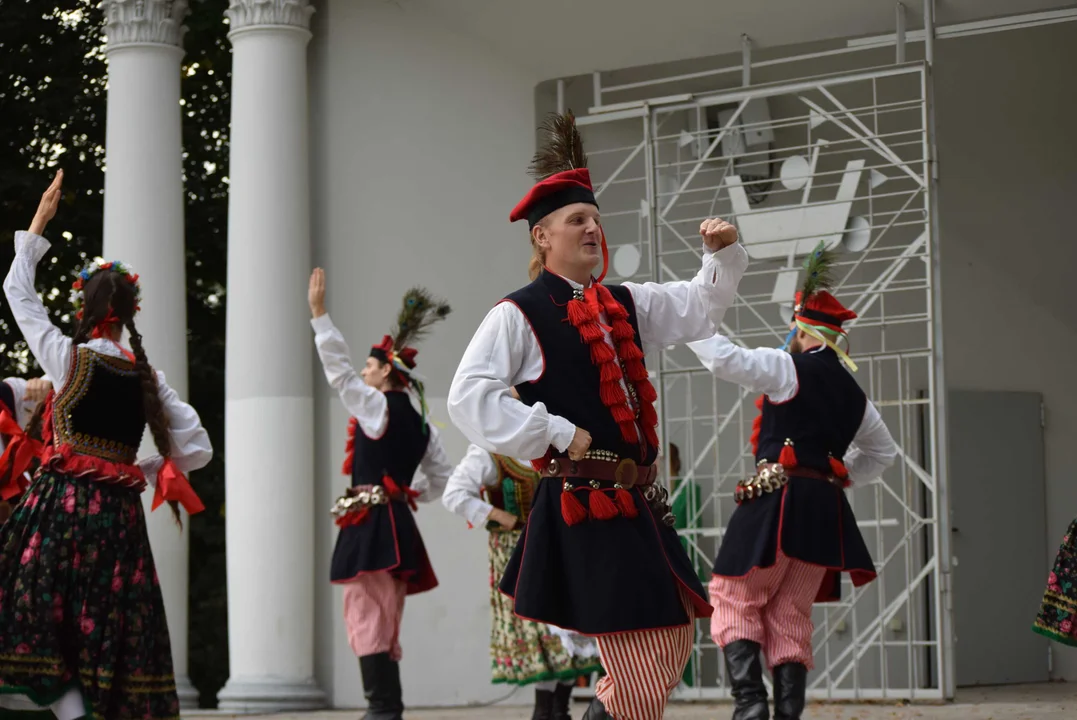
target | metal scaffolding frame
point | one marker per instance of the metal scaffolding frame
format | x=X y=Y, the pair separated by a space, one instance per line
x=662 y=166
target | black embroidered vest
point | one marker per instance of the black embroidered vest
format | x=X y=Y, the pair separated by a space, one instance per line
x=822 y=418
x=99 y=411
x=569 y=385
x=399 y=450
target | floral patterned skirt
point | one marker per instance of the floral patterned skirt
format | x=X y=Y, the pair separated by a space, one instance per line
x=79 y=602
x=522 y=651
x=1057 y=618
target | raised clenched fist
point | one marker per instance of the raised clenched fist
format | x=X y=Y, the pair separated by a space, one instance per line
x=717 y=233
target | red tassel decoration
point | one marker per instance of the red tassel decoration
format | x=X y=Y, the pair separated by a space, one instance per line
x=349 y=447
x=636 y=371
x=602 y=508
x=390 y=485
x=352 y=518
x=622 y=331
x=652 y=436
x=612 y=395
x=648 y=416
x=647 y=393
x=609 y=372
x=572 y=510
x=629 y=351
x=623 y=414
x=590 y=332
x=625 y=502
x=579 y=313
x=838 y=468
x=788 y=457
x=601 y=352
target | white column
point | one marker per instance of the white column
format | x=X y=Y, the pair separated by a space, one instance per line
x=269 y=441
x=144 y=226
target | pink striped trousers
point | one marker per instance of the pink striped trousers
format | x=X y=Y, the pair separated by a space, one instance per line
x=373 y=609
x=642 y=668
x=770 y=606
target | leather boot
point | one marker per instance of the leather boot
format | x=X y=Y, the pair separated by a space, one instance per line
x=543 y=705
x=562 y=696
x=596 y=711
x=745 y=674
x=381 y=687
x=790 y=687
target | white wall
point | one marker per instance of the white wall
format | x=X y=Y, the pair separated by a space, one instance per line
x=421 y=139
x=1005 y=108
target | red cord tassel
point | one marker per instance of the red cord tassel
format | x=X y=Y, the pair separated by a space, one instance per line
x=612 y=395
x=352 y=518
x=629 y=351
x=609 y=372
x=614 y=310
x=572 y=510
x=838 y=468
x=622 y=413
x=625 y=502
x=601 y=352
x=579 y=313
x=622 y=331
x=390 y=485
x=602 y=508
x=788 y=457
x=349 y=447
x=628 y=431
x=652 y=436
x=636 y=371
x=646 y=391
x=590 y=332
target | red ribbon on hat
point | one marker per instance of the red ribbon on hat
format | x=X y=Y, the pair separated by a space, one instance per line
x=19 y=453
x=173 y=485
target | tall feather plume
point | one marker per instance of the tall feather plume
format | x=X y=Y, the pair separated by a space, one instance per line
x=419 y=312
x=819 y=267
x=562 y=149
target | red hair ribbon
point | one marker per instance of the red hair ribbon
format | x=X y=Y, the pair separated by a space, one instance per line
x=173 y=485
x=19 y=453
x=103 y=329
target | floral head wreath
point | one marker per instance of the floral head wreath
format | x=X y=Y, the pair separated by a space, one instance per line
x=78 y=298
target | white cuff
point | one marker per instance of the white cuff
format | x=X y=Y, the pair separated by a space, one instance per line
x=321 y=324
x=560 y=432
x=30 y=246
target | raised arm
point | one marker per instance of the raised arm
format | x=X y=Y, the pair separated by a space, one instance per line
x=679 y=312
x=765 y=370
x=463 y=492
x=368 y=405
x=873 y=449
x=503 y=353
x=190 y=448
x=436 y=469
x=50 y=347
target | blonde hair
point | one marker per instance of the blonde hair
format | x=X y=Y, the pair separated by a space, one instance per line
x=538 y=258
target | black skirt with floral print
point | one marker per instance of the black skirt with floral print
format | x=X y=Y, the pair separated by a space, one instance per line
x=1057 y=618
x=80 y=604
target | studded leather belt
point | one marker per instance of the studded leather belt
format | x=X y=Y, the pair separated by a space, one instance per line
x=774 y=476
x=625 y=473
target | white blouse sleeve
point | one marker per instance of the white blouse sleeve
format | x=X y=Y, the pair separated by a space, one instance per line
x=679 y=312
x=23 y=409
x=435 y=466
x=49 y=345
x=362 y=402
x=190 y=447
x=463 y=493
x=765 y=370
x=504 y=352
x=873 y=449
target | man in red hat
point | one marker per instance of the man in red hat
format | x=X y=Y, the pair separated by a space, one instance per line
x=598 y=554
x=379 y=557
x=793 y=531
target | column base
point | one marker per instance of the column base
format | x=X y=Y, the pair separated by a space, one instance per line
x=269 y=695
x=188 y=693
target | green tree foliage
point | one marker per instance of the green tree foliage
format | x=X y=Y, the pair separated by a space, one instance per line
x=52 y=114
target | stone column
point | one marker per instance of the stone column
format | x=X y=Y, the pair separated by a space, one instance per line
x=144 y=226
x=268 y=397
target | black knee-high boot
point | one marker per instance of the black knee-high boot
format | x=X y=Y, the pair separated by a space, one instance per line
x=381 y=687
x=790 y=689
x=744 y=670
x=562 y=696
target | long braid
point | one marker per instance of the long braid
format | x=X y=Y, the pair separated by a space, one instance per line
x=151 y=403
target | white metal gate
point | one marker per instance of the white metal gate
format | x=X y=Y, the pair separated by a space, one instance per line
x=844 y=159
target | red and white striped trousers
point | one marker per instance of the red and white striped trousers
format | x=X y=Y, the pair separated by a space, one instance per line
x=770 y=606
x=642 y=668
x=373 y=609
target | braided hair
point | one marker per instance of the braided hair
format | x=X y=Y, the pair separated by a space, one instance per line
x=108 y=291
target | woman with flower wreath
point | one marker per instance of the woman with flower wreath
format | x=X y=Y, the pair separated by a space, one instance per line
x=379 y=557
x=83 y=620
x=495 y=492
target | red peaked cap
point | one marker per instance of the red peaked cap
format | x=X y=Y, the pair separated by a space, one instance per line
x=555 y=192
x=384 y=351
x=822 y=308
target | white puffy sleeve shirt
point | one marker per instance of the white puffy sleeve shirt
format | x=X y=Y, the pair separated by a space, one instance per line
x=190 y=447
x=772 y=372
x=505 y=352
x=370 y=408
